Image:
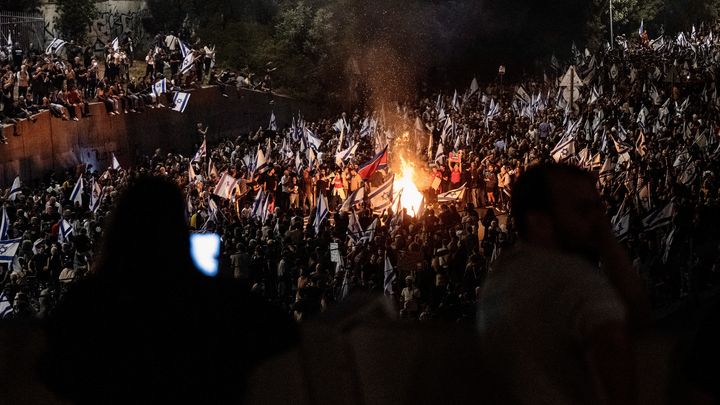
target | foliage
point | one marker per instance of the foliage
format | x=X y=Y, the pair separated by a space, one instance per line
x=326 y=49
x=74 y=18
x=25 y=6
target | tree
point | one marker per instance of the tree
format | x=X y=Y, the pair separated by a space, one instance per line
x=74 y=18
x=23 y=6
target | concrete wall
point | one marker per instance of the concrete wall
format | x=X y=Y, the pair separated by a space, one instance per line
x=50 y=143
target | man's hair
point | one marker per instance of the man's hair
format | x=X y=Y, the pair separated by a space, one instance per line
x=533 y=191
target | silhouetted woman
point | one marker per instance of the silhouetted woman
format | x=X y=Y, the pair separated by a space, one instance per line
x=147 y=327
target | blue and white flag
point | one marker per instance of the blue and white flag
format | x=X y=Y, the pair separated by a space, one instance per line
x=321 y=212
x=342 y=157
x=187 y=63
x=160 y=87
x=354 y=199
x=115 y=44
x=312 y=139
x=55 y=46
x=474 y=87
x=345 y=286
x=261 y=163
x=15 y=189
x=5 y=305
x=390 y=277
x=456 y=195
x=265 y=210
x=258 y=205
x=184 y=49
x=4 y=225
x=440 y=153
x=355 y=231
x=621 y=223
x=96 y=195
x=370 y=231
x=115 y=164
x=65 y=230
x=365 y=128
x=381 y=197
x=181 y=101
x=76 y=195
x=298 y=162
x=8 y=249
x=273 y=122
x=202 y=151
x=659 y=218
x=564 y=150
x=311 y=157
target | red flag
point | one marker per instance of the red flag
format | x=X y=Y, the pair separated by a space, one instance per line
x=378 y=162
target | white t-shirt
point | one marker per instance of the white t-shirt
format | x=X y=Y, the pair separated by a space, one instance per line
x=536 y=311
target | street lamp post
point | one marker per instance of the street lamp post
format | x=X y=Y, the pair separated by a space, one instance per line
x=611 y=26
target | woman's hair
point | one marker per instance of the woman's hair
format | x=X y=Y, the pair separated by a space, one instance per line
x=146 y=234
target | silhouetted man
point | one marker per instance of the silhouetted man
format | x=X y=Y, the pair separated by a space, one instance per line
x=555 y=329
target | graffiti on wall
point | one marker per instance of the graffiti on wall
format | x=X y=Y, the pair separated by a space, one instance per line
x=110 y=24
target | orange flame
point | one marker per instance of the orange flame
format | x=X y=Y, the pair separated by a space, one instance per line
x=411 y=198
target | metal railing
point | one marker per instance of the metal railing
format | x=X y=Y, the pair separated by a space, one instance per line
x=27 y=29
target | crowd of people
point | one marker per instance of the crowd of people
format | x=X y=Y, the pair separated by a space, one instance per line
x=66 y=77
x=305 y=222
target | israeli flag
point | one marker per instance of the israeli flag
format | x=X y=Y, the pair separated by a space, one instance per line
x=115 y=164
x=355 y=231
x=65 y=230
x=370 y=231
x=76 y=195
x=55 y=46
x=365 y=128
x=345 y=288
x=95 y=196
x=452 y=195
x=5 y=306
x=187 y=63
x=382 y=194
x=116 y=44
x=345 y=155
x=181 y=101
x=298 y=162
x=8 y=249
x=273 y=122
x=15 y=189
x=201 y=152
x=312 y=139
x=264 y=213
x=390 y=277
x=258 y=205
x=354 y=199
x=261 y=163
x=184 y=49
x=4 y=225
x=659 y=218
x=321 y=212
x=160 y=87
